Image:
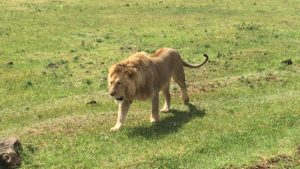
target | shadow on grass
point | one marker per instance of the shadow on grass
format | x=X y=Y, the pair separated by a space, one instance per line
x=169 y=124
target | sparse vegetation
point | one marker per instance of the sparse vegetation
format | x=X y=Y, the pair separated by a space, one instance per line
x=245 y=102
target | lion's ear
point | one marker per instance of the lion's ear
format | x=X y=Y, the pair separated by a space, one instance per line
x=130 y=72
x=113 y=69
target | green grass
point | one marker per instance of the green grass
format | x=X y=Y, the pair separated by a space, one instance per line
x=245 y=104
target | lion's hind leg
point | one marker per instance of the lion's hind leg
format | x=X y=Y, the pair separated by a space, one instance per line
x=179 y=78
x=167 y=95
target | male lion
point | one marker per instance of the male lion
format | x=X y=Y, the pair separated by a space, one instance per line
x=141 y=77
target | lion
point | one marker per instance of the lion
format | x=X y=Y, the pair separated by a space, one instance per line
x=143 y=76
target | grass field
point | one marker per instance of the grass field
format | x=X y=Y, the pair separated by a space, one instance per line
x=245 y=103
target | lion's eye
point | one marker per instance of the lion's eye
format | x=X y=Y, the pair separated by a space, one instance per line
x=118 y=83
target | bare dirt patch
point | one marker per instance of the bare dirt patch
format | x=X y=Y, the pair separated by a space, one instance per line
x=276 y=162
x=251 y=80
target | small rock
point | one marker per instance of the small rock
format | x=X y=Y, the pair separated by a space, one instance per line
x=92 y=102
x=10 y=63
x=287 y=62
x=10 y=153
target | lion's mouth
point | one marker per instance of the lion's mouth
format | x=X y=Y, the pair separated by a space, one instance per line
x=119 y=98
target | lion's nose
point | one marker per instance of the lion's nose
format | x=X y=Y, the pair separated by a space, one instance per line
x=112 y=93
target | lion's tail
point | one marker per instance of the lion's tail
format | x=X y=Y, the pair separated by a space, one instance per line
x=195 y=66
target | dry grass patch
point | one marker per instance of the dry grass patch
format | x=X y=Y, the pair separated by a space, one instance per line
x=69 y=125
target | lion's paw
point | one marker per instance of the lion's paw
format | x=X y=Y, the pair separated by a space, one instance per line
x=116 y=128
x=164 y=110
x=154 y=120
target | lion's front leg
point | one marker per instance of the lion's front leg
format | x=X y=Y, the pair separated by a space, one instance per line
x=122 y=111
x=155 y=108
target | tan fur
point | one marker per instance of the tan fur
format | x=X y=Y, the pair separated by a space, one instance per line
x=142 y=77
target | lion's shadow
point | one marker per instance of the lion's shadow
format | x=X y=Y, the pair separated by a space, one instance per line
x=169 y=124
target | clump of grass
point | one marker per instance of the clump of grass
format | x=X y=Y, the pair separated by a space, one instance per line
x=57 y=64
x=76 y=58
x=73 y=50
x=63 y=62
x=28 y=84
x=248 y=26
x=87 y=81
x=207 y=46
x=99 y=40
x=219 y=55
x=107 y=36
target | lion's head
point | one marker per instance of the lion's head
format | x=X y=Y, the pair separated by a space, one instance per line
x=129 y=78
x=121 y=82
